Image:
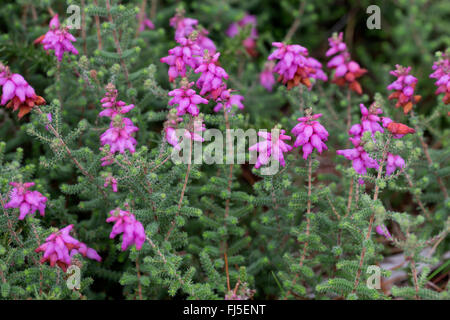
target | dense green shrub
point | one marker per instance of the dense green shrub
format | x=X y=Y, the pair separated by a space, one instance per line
x=304 y=232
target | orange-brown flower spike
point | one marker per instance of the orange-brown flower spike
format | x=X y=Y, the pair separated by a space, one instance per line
x=404 y=88
x=399 y=128
x=26 y=106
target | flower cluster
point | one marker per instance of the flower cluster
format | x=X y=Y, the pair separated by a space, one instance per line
x=272 y=146
x=194 y=130
x=310 y=134
x=119 y=136
x=58 y=38
x=404 y=88
x=361 y=160
x=347 y=71
x=227 y=100
x=194 y=40
x=204 y=42
x=441 y=73
x=17 y=93
x=294 y=66
x=250 y=42
x=186 y=99
x=359 y=157
x=111 y=105
x=383 y=231
x=26 y=200
x=212 y=75
x=110 y=180
x=394 y=162
x=187 y=53
x=170 y=128
x=370 y=122
x=146 y=23
x=185 y=28
x=125 y=222
x=60 y=247
x=266 y=77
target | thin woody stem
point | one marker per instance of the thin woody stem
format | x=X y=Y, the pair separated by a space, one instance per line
x=296 y=24
x=139 y=279
x=83 y=27
x=372 y=217
x=308 y=224
x=141 y=16
x=226 y=270
x=227 y=202
x=118 y=47
x=97 y=25
x=349 y=109
x=186 y=179
x=350 y=197
x=153 y=9
x=416 y=283
x=11 y=229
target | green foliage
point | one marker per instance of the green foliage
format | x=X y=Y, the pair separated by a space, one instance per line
x=306 y=232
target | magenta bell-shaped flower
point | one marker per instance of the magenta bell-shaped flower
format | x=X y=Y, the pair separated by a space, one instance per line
x=27 y=201
x=125 y=223
x=310 y=134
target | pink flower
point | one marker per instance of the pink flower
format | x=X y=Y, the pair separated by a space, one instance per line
x=59 y=248
x=337 y=45
x=125 y=222
x=383 y=231
x=187 y=54
x=186 y=99
x=205 y=43
x=272 y=146
x=107 y=160
x=404 y=88
x=190 y=132
x=18 y=92
x=27 y=201
x=171 y=137
x=359 y=157
x=227 y=100
x=49 y=119
x=183 y=26
x=146 y=23
x=266 y=77
x=310 y=134
x=110 y=180
x=119 y=136
x=393 y=162
x=113 y=106
x=212 y=75
x=170 y=127
x=294 y=65
x=346 y=70
x=194 y=132
x=369 y=121
x=59 y=39
x=441 y=73
x=250 y=42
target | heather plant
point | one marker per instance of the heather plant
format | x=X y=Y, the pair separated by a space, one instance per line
x=121 y=130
